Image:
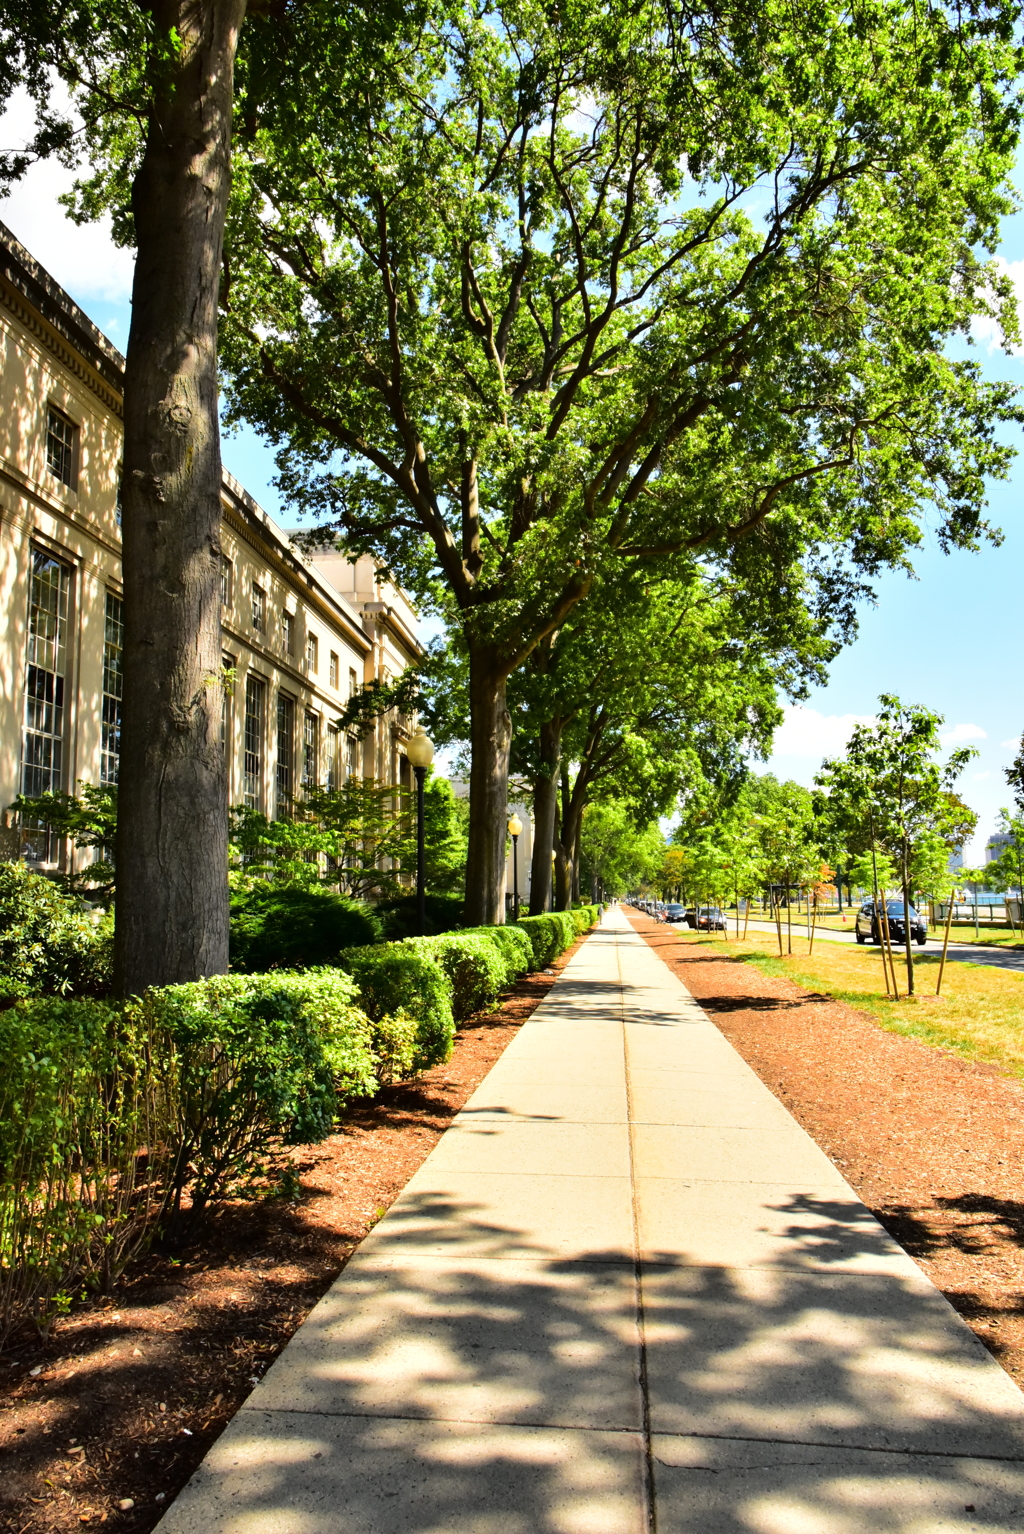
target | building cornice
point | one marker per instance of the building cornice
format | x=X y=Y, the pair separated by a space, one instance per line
x=257 y=531
x=50 y=315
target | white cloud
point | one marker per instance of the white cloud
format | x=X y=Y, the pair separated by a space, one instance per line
x=806 y=732
x=981 y=777
x=1009 y=745
x=84 y=259
x=960 y=734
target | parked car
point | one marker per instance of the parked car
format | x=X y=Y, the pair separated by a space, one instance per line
x=867 y=928
x=711 y=919
x=690 y=916
x=674 y=911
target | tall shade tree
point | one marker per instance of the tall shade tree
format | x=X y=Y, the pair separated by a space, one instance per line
x=555 y=288
x=616 y=854
x=890 y=792
x=156 y=79
x=654 y=686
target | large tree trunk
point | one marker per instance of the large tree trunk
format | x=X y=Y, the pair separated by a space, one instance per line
x=545 y=810
x=172 y=897
x=563 y=851
x=490 y=738
x=567 y=855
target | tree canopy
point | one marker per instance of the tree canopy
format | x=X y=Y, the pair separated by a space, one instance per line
x=891 y=793
x=536 y=292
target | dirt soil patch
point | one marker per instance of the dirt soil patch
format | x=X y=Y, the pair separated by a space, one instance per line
x=933 y=1143
x=106 y=1421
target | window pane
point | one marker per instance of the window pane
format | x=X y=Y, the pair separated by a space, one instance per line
x=285 y=751
x=42 y=757
x=60 y=447
x=110 y=726
x=252 y=756
x=333 y=757
x=310 y=750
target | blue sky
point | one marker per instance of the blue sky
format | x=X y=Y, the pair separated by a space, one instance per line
x=952 y=639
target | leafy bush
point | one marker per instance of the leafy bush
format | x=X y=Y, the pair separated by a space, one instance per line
x=585 y=917
x=82 y=1091
x=399 y=978
x=259 y=1061
x=474 y=966
x=293 y=928
x=49 y=945
x=443 y=914
x=514 y=944
x=550 y=935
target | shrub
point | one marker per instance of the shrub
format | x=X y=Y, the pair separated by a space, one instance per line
x=550 y=935
x=49 y=945
x=474 y=966
x=397 y=978
x=259 y=1061
x=82 y=1090
x=110 y=1116
x=290 y=928
x=515 y=944
x=584 y=917
x=443 y=914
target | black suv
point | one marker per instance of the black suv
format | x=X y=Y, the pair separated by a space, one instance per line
x=868 y=927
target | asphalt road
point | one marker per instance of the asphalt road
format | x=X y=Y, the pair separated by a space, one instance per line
x=962 y=953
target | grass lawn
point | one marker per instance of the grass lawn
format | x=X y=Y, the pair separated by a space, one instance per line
x=980 y=1013
x=960 y=932
x=963 y=932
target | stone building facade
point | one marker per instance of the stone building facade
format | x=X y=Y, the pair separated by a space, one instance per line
x=300 y=634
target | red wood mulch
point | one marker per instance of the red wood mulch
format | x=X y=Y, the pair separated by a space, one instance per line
x=132 y=1389
x=933 y=1144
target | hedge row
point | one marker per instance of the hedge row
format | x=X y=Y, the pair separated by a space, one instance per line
x=116 y=1119
x=445 y=979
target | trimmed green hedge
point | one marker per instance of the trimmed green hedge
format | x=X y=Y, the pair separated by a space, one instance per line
x=550 y=935
x=514 y=944
x=297 y=928
x=585 y=917
x=112 y=1115
x=403 y=979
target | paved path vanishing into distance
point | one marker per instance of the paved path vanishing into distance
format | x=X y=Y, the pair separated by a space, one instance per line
x=625 y=1294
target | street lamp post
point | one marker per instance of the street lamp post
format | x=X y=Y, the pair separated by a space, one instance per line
x=420 y=751
x=515 y=829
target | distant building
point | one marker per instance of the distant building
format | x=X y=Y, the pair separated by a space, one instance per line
x=996 y=845
x=956 y=860
x=300 y=634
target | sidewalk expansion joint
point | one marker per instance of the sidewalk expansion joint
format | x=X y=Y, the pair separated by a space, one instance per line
x=844 y=1447
x=650 y=1499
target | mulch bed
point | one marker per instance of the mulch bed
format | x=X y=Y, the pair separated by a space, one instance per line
x=125 y=1399
x=933 y=1143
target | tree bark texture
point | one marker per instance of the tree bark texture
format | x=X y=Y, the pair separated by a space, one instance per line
x=490 y=738
x=545 y=809
x=172 y=899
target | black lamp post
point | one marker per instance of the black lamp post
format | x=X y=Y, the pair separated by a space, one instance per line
x=420 y=751
x=515 y=829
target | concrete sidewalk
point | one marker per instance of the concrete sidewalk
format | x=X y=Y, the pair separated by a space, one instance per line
x=625 y=1292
